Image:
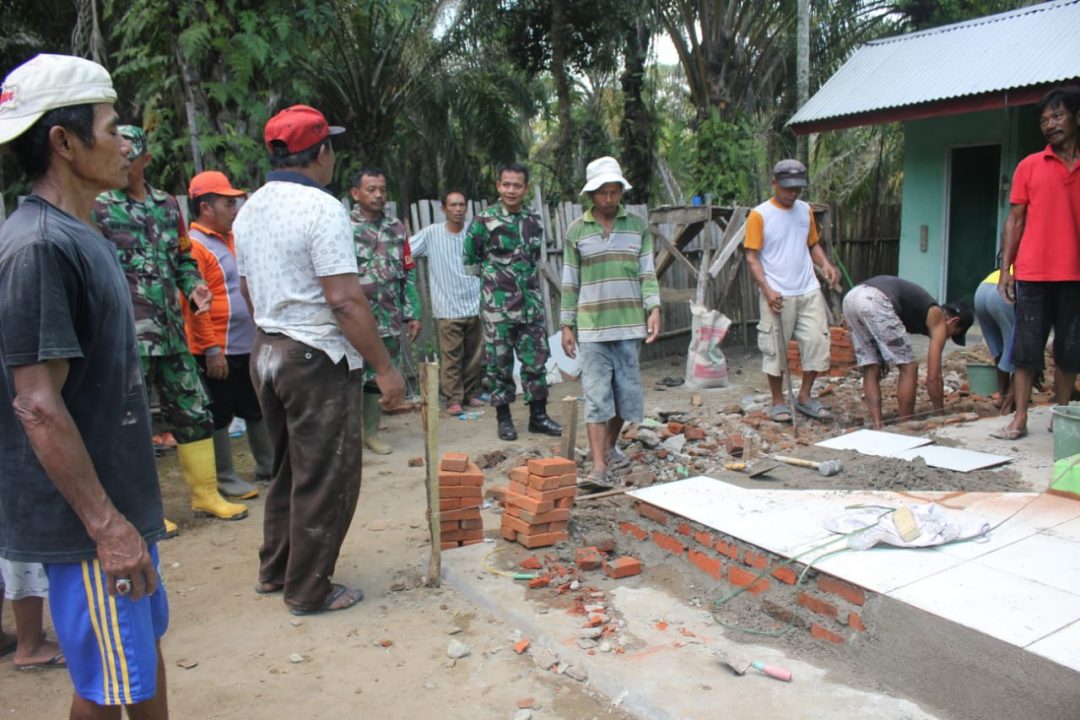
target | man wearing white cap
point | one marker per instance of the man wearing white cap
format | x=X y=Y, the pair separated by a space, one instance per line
x=611 y=297
x=781 y=249
x=78 y=485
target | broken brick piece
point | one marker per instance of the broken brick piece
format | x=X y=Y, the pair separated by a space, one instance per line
x=692 y=432
x=589 y=558
x=532 y=563
x=455 y=462
x=521 y=645
x=551 y=466
x=622 y=567
x=541 y=581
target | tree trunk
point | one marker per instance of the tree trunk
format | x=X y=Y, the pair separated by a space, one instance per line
x=564 y=146
x=636 y=128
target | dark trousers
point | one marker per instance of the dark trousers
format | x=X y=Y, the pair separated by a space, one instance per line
x=461 y=358
x=312 y=411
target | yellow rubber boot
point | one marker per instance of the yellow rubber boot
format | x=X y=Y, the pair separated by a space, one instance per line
x=200 y=474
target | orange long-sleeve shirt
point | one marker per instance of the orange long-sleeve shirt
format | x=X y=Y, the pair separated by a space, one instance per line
x=228 y=326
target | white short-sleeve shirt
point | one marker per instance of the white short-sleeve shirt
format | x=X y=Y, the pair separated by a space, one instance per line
x=288 y=235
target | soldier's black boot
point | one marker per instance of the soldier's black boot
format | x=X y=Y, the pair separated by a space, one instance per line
x=540 y=422
x=507 y=431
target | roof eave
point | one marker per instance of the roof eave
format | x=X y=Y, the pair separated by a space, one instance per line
x=938 y=108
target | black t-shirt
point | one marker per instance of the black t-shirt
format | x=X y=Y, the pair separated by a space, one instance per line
x=910 y=301
x=64 y=296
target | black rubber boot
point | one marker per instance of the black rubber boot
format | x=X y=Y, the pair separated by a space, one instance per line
x=540 y=422
x=507 y=431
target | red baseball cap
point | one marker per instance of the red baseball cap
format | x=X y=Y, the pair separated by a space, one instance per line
x=214 y=182
x=299 y=127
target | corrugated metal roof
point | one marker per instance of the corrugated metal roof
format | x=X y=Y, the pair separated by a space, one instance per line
x=1031 y=46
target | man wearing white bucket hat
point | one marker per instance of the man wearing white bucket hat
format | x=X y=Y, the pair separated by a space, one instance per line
x=78 y=484
x=610 y=296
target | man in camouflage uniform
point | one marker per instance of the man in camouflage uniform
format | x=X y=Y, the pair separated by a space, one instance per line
x=146 y=225
x=388 y=276
x=503 y=248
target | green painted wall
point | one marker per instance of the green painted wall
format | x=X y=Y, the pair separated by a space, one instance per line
x=927 y=145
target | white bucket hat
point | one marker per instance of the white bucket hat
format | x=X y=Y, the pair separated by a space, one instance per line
x=602 y=171
x=47 y=82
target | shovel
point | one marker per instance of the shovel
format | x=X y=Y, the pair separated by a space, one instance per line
x=740 y=667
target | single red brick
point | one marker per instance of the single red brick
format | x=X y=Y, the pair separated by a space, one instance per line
x=734 y=444
x=449 y=503
x=786 y=575
x=514 y=523
x=753 y=559
x=451 y=535
x=527 y=503
x=472 y=476
x=454 y=461
x=622 y=567
x=472 y=524
x=707 y=564
x=508 y=533
x=564 y=503
x=704 y=538
x=822 y=634
x=551 y=466
x=519 y=474
x=633 y=530
x=540 y=581
x=448 y=525
x=537 y=528
x=515 y=487
x=588 y=558
x=542 y=540
x=467 y=535
x=545 y=482
x=558 y=526
x=684 y=529
x=666 y=542
x=461 y=514
x=845 y=590
x=552 y=494
x=855 y=622
x=521 y=645
x=449 y=479
x=652 y=512
x=568 y=480
x=547 y=517
x=461 y=491
x=816 y=605
x=742 y=578
x=691 y=432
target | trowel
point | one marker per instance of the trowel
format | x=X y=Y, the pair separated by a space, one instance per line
x=740 y=667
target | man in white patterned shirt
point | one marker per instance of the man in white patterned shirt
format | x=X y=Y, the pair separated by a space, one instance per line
x=455 y=300
x=298 y=272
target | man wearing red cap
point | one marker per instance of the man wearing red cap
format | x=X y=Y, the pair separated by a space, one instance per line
x=221 y=339
x=298 y=269
x=78 y=485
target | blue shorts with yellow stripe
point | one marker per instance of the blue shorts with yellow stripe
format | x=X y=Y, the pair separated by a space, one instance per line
x=110 y=643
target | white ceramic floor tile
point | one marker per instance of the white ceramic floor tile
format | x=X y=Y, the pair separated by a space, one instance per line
x=951 y=458
x=1048 y=559
x=884 y=569
x=1063 y=646
x=874 y=442
x=1000 y=604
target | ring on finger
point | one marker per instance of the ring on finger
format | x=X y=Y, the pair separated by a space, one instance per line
x=123 y=586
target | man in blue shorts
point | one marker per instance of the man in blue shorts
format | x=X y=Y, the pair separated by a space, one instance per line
x=78 y=486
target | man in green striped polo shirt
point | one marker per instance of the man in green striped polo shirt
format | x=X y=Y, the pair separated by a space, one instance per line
x=611 y=298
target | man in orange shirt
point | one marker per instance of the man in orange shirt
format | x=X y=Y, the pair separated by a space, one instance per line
x=221 y=339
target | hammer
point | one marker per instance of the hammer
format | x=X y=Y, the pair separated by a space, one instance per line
x=825 y=469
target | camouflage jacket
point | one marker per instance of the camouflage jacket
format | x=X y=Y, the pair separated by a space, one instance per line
x=387 y=271
x=154 y=252
x=504 y=250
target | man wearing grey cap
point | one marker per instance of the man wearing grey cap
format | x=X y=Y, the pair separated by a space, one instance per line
x=781 y=250
x=78 y=485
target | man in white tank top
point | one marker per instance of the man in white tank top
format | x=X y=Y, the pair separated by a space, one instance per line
x=781 y=250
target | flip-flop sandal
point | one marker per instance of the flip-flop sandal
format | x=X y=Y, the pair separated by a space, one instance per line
x=814 y=409
x=596 y=481
x=616 y=459
x=56 y=661
x=268 y=588
x=777 y=411
x=672 y=381
x=336 y=594
x=1007 y=433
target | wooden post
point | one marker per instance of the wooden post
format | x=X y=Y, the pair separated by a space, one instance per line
x=429 y=412
x=569 y=438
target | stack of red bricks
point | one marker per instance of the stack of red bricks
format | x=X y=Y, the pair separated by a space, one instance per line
x=841 y=353
x=538 y=502
x=461 y=493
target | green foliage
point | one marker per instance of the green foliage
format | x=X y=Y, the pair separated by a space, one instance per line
x=726 y=152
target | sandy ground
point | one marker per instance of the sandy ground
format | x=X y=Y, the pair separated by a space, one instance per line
x=232 y=654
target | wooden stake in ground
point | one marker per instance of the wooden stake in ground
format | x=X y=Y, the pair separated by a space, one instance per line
x=429 y=412
x=569 y=418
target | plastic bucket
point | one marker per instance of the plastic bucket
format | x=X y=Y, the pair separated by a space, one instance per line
x=982 y=379
x=1066 y=430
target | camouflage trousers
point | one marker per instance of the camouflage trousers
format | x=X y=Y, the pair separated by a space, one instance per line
x=501 y=341
x=394 y=350
x=182 y=399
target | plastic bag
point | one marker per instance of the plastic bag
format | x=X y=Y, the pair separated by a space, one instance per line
x=706 y=366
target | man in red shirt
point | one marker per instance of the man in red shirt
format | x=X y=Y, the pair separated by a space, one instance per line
x=1042 y=238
